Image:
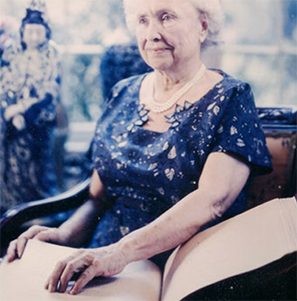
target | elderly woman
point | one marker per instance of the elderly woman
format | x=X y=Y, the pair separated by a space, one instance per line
x=173 y=149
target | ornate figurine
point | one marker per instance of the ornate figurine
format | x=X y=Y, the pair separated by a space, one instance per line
x=29 y=95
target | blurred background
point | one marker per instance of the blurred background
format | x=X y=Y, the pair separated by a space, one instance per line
x=259 y=45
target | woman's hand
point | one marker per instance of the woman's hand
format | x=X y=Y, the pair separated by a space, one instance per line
x=16 y=247
x=87 y=263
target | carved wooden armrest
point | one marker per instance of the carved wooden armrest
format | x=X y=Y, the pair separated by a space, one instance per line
x=13 y=219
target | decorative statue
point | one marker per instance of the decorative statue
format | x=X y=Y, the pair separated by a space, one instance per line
x=8 y=32
x=29 y=96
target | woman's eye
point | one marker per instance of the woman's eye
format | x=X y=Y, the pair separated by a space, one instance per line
x=166 y=18
x=142 y=20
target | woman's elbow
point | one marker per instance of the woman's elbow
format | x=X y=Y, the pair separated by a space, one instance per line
x=218 y=201
x=218 y=208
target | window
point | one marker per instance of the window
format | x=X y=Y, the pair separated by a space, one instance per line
x=261 y=47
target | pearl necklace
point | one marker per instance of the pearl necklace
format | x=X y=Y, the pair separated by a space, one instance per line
x=159 y=107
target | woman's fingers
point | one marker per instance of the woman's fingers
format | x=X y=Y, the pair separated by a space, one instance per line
x=21 y=244
x=64 y=271
x=17 y=246
x=53 y=281
x=106 y=261
x=80 y=264
x=47 y=235
x=23 y=238
x=83 y=280
x=12 y=251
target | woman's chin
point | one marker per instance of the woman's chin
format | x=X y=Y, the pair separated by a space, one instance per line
x=160 y=63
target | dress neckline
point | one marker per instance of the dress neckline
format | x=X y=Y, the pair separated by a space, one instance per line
x=140 y=107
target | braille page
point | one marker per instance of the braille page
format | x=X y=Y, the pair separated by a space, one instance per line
x=23 y=280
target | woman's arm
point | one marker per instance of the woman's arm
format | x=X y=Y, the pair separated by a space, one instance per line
x=74 y=232
x=221 y=181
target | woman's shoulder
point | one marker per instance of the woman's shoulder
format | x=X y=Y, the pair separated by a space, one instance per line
x=131 y=83
x=123 y=93
x=231 y=91
x=230 y=94
x=231 y=83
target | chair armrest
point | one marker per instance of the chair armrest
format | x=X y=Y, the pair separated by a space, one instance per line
x=278 y=117
x=14 y=218
x=280 y=127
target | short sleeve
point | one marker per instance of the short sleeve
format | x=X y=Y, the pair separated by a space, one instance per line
x=239 y=132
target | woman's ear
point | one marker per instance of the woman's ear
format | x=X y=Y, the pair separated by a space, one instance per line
x=203 y=28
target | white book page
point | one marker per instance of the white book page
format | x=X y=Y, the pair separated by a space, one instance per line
x=23 y=280
x=240 y=244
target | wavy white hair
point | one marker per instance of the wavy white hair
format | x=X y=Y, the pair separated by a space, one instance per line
x=211 y=9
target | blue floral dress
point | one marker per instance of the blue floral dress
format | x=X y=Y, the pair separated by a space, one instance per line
x=145 y=172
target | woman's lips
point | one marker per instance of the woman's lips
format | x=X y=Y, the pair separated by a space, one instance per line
x=158 y=50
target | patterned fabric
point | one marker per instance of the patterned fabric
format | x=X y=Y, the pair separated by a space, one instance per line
x=145 y=172
x=29 y=91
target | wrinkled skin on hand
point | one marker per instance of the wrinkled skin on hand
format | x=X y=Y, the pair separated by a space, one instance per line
x=16 y=247
x=88 y=264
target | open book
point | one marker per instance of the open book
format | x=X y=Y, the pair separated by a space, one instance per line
x=241 y=244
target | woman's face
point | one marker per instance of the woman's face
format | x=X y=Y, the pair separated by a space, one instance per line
x=168 y=33
x=34 y=35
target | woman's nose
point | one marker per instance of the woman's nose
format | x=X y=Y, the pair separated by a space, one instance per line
x=154 y=32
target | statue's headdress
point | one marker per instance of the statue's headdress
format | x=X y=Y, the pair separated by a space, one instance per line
x=35 y=14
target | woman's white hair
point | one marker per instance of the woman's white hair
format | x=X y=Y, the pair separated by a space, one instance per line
x=211 y=9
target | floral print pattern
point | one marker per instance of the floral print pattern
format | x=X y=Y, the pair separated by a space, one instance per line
x=146 y=172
